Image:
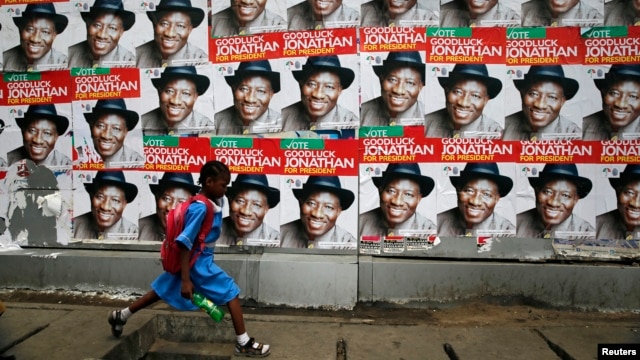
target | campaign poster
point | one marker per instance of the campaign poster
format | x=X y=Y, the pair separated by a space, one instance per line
x=177 y=101
x=52 y=55
x=545 y=89
x=612 y=78
x=106 y=121
x=466 y=13
x=245 y=48
x=100 y=37
x=464 y=83
x=544 y=13
x=106 y=206
x=387 y=13
x=36 y=120
x=249 y=96
x=179 y=38
x=175 y=154
x=252 y=216
x=556 y=197
x=247 y=18
x=477 y=198
x=392 y=69
x=319 y=194
x=398 y=199
x=320 y=68
x=317 y=15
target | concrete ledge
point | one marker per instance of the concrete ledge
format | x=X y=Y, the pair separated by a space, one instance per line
x=339 y=281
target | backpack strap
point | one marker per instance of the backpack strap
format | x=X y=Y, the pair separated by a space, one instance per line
x=204 y=229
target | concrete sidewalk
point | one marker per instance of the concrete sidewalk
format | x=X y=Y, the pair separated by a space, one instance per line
x=63 y=332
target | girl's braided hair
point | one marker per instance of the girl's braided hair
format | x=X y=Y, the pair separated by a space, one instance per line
x=214 y=169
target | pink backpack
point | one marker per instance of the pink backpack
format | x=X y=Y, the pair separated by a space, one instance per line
x=170 y=250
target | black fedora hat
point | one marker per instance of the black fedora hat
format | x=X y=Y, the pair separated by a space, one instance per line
x=409 y=171
x=110 y=7
x=182 y=72
x=401 y=59
x=254 y=181
x=552 y=73
x=37 y=112
x=483 y=171
x=472 y=71
x=115 y=178
x=196 y=14
x=326 y=183
x=113 y=106
x=630 y=173
x=175 y=179
x=45 y=10
x=329 y=63
x=564 y=172
x=255 y=68
x=618 y=72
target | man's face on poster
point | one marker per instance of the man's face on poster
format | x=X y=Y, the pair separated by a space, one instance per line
x=251 y=97
x=562 y=6
x=324 y=7
x=39 y=139
x=103 y=33
x=247 y=10
x=477 y=199
x=479 y=7
x=177 y=98
x=555 y=201
x=542 y=102
x=108 y=132
x=629 y=203
x=399 y=7
x=171 y=31
x=621 y=103
x=247 y=210
x=320 y=93
x=169 y=199
x=107 y=205
x=400 y=89
x=399 y=199
x=36 y=37
x=319 y=212
x=465 y=101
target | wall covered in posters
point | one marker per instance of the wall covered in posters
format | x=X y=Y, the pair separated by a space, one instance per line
x=372 y=127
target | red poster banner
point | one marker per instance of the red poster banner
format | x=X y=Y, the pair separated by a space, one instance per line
x=247 y=155
x=544 y=46
x=319 y=42
x=383 y=39
x=105 y=83
x=612 y=45
x=466 y=45
x=175 y=154
x=32 y=88
x=245 y=48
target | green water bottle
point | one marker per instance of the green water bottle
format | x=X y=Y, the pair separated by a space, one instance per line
x=208 y=306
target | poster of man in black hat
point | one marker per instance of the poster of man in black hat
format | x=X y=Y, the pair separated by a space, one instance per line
x=393 y=89
x=619 y=117
x=477 y=200
x=242 y=17
x=178 y=101
x=107 y=42
x=326 y=96
x=251 y=103
x=543 y=102
x=171 y=33
x=159 y=193
x=35 y=37
x=327 y=212
x=619 y=191
x=466 y=101
x=107 y=134
x=253 y=213
x=105 y=207
x=397 y=200
x=556 y=201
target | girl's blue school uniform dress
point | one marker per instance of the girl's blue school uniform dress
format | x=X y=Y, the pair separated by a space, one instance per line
x=207 y=277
